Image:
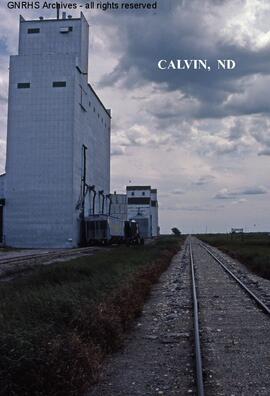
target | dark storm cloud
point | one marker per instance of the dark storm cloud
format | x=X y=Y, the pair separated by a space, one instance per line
x=264 y=152
x=226 y=194
x=260 y=130
x=115 y=151
x=253 y=191
x=203 y=180
x=192 y=208
x=190 y=30
x=178 y=192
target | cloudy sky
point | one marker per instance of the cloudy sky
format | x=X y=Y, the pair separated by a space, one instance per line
x=202 y=138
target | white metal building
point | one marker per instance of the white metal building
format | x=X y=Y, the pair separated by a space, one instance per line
x=119 y=206
x=143 y=207
x=53 y=112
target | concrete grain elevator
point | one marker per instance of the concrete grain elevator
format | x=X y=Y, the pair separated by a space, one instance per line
x=58 y=133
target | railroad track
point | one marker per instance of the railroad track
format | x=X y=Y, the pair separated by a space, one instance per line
x=222 y=328
x=10 y=267
x=60 y=253
x=200 y=370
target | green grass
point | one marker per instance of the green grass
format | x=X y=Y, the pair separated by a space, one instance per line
x=58 y=323
x=252 y=249
x=9 y=249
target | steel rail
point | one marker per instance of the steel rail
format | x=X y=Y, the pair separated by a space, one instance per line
x=15 y=266
x=260 y=303
x=198 y=355
x=52 y=254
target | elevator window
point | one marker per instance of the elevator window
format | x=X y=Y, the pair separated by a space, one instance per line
x=23 y=85
x=31 y=31
x=57 y=84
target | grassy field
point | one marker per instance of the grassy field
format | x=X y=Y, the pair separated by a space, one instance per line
x=252 y=249
x=58 y=323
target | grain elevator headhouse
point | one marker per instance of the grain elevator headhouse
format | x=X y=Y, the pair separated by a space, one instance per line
x=58 y=139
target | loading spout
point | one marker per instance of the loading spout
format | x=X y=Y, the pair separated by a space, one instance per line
x=101 y=193
x=109 y=197
x=94 y=199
